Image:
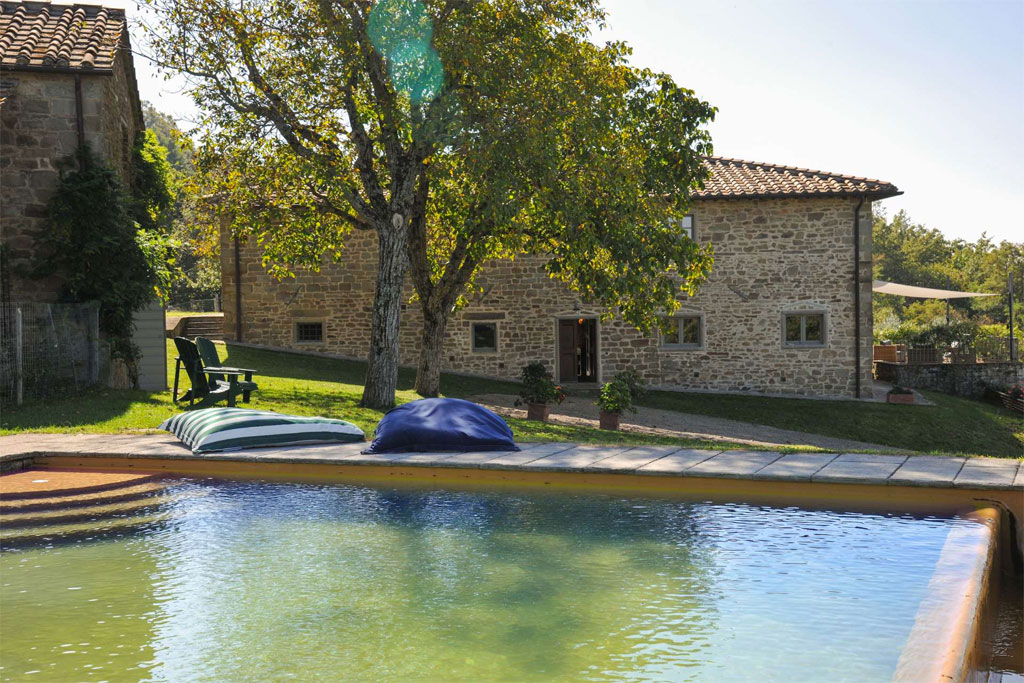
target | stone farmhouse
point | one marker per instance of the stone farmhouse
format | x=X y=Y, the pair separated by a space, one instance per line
x=786 y=310
x=66 y=77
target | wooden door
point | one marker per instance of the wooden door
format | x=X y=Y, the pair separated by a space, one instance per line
x=567 y=346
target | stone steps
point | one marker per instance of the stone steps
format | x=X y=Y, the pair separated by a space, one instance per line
x=50 y=517
x=206 y=326
x=83 y=499
x=42 y=484
x=75 y=530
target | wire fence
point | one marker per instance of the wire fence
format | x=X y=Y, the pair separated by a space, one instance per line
x=47 y=350
x=194 y=305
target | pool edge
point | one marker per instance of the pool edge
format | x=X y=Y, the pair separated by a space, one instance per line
x=950 y=618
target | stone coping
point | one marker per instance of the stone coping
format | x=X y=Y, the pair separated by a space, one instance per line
x=832 y=468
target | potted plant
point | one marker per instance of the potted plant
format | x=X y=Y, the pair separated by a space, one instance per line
x=539 y=391
x=900 y=394
x=614 y=398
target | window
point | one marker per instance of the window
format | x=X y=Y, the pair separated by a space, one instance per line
x=684 y=332
x=309 y=332
x=804 y=329
x=688 y=226
x=485 y=336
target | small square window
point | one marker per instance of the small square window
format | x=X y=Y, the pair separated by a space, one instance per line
x=804 y=329
x=485 y=336
x=683 y=332
x=309 y=332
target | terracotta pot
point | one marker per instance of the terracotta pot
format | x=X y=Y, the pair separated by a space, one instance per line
x=610 y=421
x=905 y=399
x=538 y=411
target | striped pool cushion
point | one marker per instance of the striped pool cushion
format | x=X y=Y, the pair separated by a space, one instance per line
x=229 y=429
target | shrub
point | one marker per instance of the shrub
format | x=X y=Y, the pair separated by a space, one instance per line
x=896 y=389
x=539 y=386
x=632 y=379
x=615 y=397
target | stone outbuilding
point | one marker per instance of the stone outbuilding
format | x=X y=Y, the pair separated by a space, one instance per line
x=786 y=310
x=66 y=78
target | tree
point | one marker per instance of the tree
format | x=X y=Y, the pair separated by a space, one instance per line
x=197 y=244
x=913 y=254
x=399 y=115
x=586 y=163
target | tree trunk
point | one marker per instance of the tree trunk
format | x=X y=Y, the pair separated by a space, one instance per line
x=428 y=373
x=382 y=366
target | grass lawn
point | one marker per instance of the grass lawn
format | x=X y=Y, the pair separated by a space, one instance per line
x=306 y=385
x=294 y=384
x=953 y=426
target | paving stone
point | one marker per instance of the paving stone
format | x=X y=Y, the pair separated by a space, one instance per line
x=875 y=470
x=733 y=464
x=631 y=459
x=574 y=458
x=928 y=470
x=871 y=457
x=795 y=466
x=371 y=458
x=516 y=460
x=431 y=458
x=992 y=462
x=677 y=462
x=987 y=474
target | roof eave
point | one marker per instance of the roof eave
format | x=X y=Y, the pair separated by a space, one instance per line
x=39 y=68
x=874 y=196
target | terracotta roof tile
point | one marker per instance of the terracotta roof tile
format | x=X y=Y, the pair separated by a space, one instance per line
x=45 y=35
x=738 y=179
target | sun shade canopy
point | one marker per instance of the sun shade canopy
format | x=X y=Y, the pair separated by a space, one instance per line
x=883 y=287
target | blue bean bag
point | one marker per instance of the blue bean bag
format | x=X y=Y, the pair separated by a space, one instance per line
x=441 y=424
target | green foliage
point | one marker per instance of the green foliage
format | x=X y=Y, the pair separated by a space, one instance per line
x=178 y=145
x=912 y=254
x=615 y=397
x=195 y=241
x=538 y=386
x=900 y=391
x=154 y=192
x=634 y=382
x=92 y=241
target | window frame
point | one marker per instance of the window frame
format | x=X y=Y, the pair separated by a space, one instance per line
x=803 y=343
x=472 y=336
x=679 y=316
x=693 y=225
x=298 y=337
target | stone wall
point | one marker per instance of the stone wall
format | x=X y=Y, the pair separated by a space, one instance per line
x=37 y=131
x=968 y=380
x=772 y=255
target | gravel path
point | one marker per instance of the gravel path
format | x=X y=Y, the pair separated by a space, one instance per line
x=583 y=412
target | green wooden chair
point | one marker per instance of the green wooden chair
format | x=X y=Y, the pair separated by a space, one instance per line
x=211 y=359
x=205 y=387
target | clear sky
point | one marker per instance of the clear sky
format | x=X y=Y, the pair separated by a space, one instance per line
x=926 y=94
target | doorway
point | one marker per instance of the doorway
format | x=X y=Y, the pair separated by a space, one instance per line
x=577 y=350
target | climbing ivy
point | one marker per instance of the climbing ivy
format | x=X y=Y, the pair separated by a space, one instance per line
x=95 y=244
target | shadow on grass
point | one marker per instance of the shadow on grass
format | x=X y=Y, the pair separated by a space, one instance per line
x=87 y=409
x=299 y=366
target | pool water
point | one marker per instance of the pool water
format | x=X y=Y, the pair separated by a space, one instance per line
x=251 y=581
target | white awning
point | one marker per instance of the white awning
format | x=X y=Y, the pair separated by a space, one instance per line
x=883 y=287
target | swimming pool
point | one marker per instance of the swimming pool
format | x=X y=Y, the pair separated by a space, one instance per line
x=254 y=580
